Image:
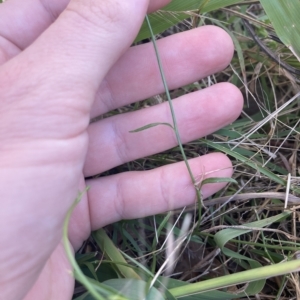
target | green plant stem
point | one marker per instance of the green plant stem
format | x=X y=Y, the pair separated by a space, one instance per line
x=77 y=271
x=198 y=193
x=237 y=278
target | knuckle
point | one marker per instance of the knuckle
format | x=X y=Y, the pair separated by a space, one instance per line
x=99 y=13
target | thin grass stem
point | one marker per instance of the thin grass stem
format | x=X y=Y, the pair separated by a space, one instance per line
x=198 y=192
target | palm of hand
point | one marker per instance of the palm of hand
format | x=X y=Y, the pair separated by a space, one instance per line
x=57 y=89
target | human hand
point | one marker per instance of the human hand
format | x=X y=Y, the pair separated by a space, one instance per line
x=61 y=64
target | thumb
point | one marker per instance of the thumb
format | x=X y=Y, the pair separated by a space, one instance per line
x=90 y=35
x=63 y=68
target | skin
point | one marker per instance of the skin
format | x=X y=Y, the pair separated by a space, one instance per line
x=63 y=62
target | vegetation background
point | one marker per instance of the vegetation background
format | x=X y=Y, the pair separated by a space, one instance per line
x=214 y=253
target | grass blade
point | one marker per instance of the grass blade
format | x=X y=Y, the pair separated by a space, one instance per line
x=237 y=278
x=284 y=16
x=111 y=251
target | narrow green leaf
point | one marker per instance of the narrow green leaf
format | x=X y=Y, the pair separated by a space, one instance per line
x=176 y=12
x=218 y=180
x=91 y=268
x=150 y=126
x=225 y=235
x=82 y=258
x=284 y=15
x=112 y=252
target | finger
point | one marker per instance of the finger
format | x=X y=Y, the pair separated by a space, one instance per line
x=154 y=5
x=21 y=22
x=198 y=114
x=74 y=55
x=139 y=194
x=186 y=57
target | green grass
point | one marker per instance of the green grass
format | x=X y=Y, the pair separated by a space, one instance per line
x=245 y=226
